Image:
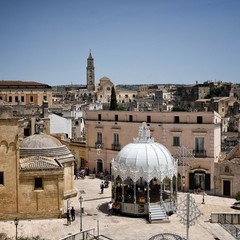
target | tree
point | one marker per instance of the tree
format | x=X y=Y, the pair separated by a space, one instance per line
x=113 y=104
x=179 y=108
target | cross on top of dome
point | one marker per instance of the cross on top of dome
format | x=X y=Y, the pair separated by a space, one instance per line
x=144 y=134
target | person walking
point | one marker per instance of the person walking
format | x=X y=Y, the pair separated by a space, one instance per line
x=102 y=187
x=68 y=217
x=73 y=214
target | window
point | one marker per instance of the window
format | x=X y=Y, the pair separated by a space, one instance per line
x=1 y=178
x=199 y=119
x=116 y=139
x=22 y=99
x=10 y=99
x=227 y=169
x=176 y=141
x=99 y=137
x=99 y=117
x=148 y=119
x=199 y=146
x=38 y=183
x=116 y=118
x=130 y=118
x=176 y=119
x=31 y=98
x=16 y=99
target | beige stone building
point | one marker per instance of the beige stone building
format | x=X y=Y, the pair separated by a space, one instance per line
x=198 y=132
x=36 y=173
x=104 y=88
x=227 y=173
x=25 y=93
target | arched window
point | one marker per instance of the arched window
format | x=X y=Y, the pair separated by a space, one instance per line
x=227 y=170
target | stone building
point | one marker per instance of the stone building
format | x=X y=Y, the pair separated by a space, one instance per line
x=227 y=173
x=200 y=132
x=36 y=172
x=25 y=93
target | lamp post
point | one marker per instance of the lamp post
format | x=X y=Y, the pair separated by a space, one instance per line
x=16 y=221
x=203 y=176
x=80 y=201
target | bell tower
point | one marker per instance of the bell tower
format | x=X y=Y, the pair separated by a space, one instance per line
x=90 y=73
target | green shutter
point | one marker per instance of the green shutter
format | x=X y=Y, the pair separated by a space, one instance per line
x=208 y=182
x=191 y=181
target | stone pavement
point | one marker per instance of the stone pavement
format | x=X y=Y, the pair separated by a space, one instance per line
x=121 y=227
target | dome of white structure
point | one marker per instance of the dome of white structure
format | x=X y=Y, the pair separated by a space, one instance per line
x=145 y=157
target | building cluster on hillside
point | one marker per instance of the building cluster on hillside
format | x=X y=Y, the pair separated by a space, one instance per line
x=49 y=132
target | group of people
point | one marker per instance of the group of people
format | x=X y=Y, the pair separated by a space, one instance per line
x=70 y=215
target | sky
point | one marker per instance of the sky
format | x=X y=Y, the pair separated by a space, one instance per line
x=131 y=41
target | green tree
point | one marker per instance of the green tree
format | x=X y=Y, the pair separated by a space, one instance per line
x=179 y=108
x=113 y=103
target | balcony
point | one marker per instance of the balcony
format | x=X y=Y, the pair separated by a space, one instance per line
x=199 y=153
x=98 y=145
x=116 y=147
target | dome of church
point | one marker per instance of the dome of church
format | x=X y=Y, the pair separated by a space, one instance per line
x=44 y=145
x=40 y=141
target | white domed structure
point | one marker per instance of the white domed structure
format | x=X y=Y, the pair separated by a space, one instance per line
x=140 y=172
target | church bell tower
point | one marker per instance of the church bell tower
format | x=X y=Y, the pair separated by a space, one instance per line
x=90 y=73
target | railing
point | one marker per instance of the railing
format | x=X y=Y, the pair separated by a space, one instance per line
x=84 y=235
x=199 y=153
x=233 y=230
x=116 y=147
x=99 y=145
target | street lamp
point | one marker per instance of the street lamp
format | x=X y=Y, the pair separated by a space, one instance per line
x=16 y=221
x=203 y=176
x=80 y=200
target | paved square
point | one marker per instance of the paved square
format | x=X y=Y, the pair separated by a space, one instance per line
x=121 y=227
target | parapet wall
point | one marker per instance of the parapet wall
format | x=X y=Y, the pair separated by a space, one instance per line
x=225 y=217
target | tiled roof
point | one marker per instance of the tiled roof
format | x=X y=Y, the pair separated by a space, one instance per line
x=39 y=162
x=17 y=83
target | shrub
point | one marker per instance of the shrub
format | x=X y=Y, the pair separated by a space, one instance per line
x=237 y=196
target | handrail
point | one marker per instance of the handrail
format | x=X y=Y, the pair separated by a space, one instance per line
x=82 y=234
x=223 y=220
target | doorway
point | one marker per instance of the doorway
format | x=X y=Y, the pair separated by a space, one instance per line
x=99 y=166
x=227 y=188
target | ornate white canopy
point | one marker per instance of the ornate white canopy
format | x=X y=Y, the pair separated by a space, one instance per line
x=144 y=158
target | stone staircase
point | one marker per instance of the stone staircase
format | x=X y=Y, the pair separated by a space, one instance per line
x=157 y=213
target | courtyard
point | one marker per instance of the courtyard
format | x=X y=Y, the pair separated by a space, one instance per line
x=95 y=217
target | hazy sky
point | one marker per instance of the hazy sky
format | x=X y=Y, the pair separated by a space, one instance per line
x=131 y=41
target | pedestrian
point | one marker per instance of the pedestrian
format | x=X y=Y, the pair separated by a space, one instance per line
x=73 y=214
x=110 y=208
x=102 y=187
x=68 y=217
x=76 y=174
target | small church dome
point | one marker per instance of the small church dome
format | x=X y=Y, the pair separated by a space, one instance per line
x=40 y=141
x=44 y=145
